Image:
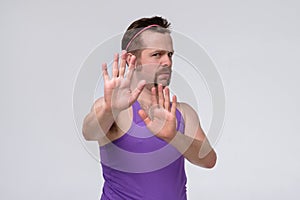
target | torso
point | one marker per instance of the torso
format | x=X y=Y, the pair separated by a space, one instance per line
x=138 y=165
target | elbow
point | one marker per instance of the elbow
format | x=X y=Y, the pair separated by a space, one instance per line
x=86 y=136
x=91 y=134
x=84 y=129
x=90 y=137
x=86 y=132
x=211 y=163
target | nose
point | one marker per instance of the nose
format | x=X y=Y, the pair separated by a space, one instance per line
x=166 y=60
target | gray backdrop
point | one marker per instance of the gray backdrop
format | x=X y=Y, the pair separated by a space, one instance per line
x=255 y=45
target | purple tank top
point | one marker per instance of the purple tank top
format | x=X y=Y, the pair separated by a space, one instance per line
x=141 y=166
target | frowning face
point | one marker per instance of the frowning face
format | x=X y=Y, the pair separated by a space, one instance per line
x=155 y=61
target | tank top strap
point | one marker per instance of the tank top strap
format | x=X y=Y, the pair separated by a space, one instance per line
x=180 y=121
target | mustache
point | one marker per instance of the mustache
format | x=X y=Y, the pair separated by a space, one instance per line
x=164 y=70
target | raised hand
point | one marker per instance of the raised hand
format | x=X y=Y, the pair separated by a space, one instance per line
x=117 y=93
x=162 y=119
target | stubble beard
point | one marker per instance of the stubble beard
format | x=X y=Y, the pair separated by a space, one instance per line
x=155 y=81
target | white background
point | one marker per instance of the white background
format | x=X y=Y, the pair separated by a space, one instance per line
x=255 y=45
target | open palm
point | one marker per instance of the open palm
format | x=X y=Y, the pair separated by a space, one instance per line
x=117 y=93
x=162 y=119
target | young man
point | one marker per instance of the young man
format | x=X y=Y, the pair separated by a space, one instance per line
x=143 y=134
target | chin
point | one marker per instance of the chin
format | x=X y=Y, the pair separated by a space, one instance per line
x=164 y=83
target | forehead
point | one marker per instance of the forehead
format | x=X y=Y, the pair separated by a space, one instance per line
x=156 y=40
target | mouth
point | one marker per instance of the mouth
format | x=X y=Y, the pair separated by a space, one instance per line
x=164 y=74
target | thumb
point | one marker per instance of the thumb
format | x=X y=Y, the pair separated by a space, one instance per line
x=137 y=91
x=144 y=117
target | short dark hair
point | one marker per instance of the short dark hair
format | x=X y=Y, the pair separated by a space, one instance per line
x=136 y=26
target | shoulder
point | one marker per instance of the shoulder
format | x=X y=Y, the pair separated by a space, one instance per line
x=189 y=114
x=187 y=111
x=192 y=121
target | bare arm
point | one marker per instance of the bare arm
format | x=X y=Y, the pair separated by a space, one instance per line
x=194 y=144
x=98 y=122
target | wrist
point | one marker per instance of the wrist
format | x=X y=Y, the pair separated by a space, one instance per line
x=106 y=108
x=170 y=137
x=110 y=111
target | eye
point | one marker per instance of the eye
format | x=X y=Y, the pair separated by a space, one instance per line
x=156 y=54
x=170 y=54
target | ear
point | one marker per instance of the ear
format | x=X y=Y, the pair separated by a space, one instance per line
x=128 y=58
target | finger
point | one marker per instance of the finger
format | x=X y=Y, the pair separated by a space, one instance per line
x=104 y=72
x=153 y=96
x=167 y=98
x=137 y=91
x=115 y=70
x=160 y=96
x=144 y=117
x=123 y=63
x=131 y=67
x=174 y=105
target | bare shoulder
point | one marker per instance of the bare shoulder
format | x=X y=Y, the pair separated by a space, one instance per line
x=191 y=120
x=187 y=111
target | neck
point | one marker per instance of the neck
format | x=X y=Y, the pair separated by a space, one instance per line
x=144 y=98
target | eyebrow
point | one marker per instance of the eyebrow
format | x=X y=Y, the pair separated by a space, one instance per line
x=162 y=50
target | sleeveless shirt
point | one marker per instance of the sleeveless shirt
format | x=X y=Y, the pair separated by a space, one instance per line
x=141 y=166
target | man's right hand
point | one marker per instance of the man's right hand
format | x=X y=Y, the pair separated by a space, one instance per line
x=117 y=97
x=117 y=93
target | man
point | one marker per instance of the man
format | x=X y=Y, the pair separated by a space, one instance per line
x=143 y=136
